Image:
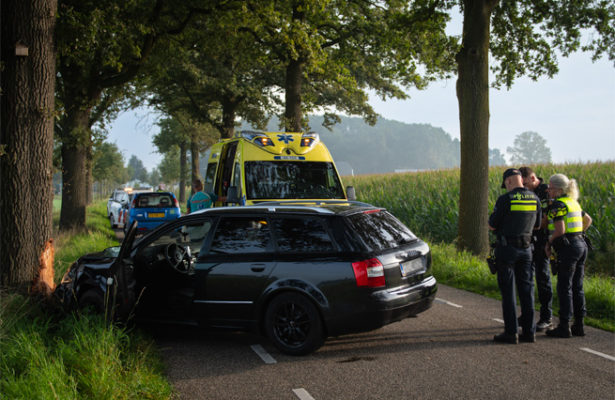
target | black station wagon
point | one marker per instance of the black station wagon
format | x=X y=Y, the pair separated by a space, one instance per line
x=296 y=273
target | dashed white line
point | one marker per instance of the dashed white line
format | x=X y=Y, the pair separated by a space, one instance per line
x=501 y=321
x=262 y=353
x=302 y=394
x=448 y=303
x=608 y=357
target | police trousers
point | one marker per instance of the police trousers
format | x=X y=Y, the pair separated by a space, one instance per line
x=571 y=269
x=515 y=267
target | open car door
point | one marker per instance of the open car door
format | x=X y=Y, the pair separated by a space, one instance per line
x=122 y=288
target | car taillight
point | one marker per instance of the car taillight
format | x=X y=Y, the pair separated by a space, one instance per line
x=175 y=202
x=369 y=273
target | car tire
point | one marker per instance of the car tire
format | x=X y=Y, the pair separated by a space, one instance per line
x=293 y=324
x=92 y=300
x=113 y=226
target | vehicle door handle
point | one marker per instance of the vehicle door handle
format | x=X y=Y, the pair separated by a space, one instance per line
x=257 y=267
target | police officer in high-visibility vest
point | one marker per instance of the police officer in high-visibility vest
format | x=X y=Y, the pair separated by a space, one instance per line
x=515 y=215
x=567 y=222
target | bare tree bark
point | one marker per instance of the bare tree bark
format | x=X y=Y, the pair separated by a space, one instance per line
x=74 y=155
x=183 y=169
x=293 y=116
x=473 y=97
x=26 y=137
x=194 y=157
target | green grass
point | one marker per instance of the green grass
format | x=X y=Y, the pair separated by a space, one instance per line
x=47 y=354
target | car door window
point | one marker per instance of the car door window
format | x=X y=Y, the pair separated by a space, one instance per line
x=188 y=235
x=305 y=235
x=241 y=235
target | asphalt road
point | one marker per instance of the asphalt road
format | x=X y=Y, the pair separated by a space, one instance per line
x=446 y=352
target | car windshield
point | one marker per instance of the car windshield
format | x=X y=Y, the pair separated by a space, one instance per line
x=155 y=200
x=380 y=230
x=292 y=180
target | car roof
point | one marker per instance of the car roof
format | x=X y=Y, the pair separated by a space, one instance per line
x=317 y=207
x=139 y=194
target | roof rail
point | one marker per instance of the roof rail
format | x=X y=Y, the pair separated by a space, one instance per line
x=312 y=203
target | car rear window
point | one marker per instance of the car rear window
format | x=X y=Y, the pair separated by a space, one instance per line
x=379 y=230
x=303 y=235
x=155 y=200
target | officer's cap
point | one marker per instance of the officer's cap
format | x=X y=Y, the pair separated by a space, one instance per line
x=509 y=172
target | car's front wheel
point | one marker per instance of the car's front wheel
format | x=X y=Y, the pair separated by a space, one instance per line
x=92 y=300
x=293 y=324
x=113 y=225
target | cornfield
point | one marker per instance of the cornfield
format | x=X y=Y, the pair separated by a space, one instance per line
x=428 y=202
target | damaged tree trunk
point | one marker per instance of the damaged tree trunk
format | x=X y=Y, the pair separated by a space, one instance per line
x=26 y=139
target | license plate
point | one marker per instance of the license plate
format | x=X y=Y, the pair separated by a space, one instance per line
x=411 y=267
x=155 y=215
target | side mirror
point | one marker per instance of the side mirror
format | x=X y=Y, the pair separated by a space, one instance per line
x=232 y=195
x=350 y=193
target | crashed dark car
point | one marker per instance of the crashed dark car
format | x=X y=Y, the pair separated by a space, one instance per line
x=295 y=273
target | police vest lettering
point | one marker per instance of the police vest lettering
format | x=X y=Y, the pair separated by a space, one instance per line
x=572 y=213
x=524 y=202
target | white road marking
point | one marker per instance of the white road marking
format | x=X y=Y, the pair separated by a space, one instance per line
x=262 y=353
x=448 y=303
x=302 y=394
x=501 y=321
x=608 y=357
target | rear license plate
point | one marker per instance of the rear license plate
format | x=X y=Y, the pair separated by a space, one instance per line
x=155 y=215
x=411 y=267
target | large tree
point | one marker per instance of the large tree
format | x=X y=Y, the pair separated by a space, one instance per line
x=26 y=136
x=102 y=45
x=334 y=50
x=529 y=148
x=521 y=38
x=213 y=73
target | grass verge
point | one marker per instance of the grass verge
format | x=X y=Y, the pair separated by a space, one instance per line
x=468 y=272
x=47 y=354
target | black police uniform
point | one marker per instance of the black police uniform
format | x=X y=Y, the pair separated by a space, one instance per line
x=540 y=260
x=514 y=218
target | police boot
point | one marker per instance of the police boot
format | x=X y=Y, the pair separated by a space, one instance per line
x=561 y=331
x=504 y=337
x=577 y=328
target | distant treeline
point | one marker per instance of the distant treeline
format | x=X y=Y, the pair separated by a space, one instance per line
x=388 y=146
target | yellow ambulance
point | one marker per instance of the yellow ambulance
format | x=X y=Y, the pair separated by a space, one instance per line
x=253 y=167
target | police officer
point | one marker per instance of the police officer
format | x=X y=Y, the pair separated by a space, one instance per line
x=567 y=223
x=540 y=260
x=515 y=215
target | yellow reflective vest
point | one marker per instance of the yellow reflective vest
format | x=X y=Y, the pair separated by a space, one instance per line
x=573 y=216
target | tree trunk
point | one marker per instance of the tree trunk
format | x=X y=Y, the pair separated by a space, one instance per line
x=89 y=184
x=194 y=156
x=293 y=116
x=74 y=154
x=228 y=119
x=473 y=97
x=182 y=172
x=26 y=137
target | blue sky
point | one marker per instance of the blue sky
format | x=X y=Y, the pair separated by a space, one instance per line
x=574 y=112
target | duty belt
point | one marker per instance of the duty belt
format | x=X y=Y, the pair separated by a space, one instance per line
x=522 y=242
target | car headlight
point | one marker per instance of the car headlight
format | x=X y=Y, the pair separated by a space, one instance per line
x=70 y=275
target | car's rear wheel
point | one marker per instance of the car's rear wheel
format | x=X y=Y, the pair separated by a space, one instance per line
x=113 y=226
x=92 y=300
x=293 y=324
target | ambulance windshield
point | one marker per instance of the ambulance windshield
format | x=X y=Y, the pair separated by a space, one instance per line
x=292 y=180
